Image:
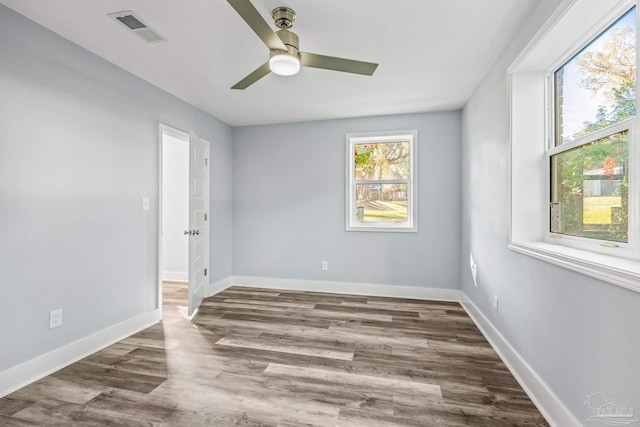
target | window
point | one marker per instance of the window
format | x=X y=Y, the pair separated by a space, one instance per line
x=595 y=104
x=381 y=181
x=575 y=150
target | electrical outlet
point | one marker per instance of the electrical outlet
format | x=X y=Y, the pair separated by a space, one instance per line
x=495 y=302
x=145 y=203
x=325 y=265
x=55 y=318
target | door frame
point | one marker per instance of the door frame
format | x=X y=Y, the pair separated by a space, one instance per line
x=171 y=131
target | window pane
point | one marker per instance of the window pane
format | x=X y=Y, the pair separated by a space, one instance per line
x=389 y=160
x=381 y=202
x=590 y=190
x=596 y=88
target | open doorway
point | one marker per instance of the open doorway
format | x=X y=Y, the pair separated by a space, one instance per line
x=183 y=256
x=175 y=219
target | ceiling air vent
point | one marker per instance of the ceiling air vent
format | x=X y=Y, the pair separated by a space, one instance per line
x=135 y=24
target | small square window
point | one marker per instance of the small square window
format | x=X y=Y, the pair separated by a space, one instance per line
x=381 y=182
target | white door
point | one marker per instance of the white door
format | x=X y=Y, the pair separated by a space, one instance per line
x=197 y=229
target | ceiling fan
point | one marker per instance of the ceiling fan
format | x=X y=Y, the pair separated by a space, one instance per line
x=285 y=56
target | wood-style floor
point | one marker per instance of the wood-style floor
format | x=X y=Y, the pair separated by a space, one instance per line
x=281 y=358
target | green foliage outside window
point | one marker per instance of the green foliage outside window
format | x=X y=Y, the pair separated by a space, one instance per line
x=382 y=202
x=609 y=73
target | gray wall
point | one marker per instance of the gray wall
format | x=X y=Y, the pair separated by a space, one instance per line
x=78 y=151
x=579 y=334
x=289 y=183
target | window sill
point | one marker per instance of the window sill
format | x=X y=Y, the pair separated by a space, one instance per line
x=618 y=271
x=383 y=229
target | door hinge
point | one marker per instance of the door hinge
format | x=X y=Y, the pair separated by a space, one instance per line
x=205 y=217
x=206 y=161
x=205 y=271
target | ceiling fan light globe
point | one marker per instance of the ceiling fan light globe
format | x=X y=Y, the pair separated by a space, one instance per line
x=284 y=65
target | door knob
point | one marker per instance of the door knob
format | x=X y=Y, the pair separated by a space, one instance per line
x=187 y=232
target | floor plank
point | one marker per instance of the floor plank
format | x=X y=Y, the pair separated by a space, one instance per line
x=268 y=357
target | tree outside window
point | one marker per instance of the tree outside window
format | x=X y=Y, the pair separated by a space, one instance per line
x=595 y=96
x=380 y=181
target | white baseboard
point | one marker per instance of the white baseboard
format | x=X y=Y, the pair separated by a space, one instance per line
x=554 y=411
x=551 y=408
x=175 y=276
x=219 y=286
x=370 y=289
x=19 y=376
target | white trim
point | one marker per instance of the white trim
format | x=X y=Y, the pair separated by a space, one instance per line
x=19 y=376
x=549 y=405
x=162 y=130
x=207 y=226
x=554 y=411
x=537 y=40
x=618 y=271
x=596 y=13
x=182 y=277
x=417 y=292
x=176 y=133
x=530 y=147
x=411 y=225
x=219 y=286
x=620 y=127
x=175 y=276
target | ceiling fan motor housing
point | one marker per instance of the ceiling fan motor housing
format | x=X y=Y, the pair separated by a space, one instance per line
x=291 y=41
x=284 y=17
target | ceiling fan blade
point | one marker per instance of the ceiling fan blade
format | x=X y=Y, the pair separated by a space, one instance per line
x=251 y=16
x=337 y=64
x=256 y=75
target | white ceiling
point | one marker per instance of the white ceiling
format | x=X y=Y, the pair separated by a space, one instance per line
x=432 y=53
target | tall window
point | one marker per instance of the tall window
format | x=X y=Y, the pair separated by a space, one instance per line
x=594 y=109
x=574 y=172
x=381 y=184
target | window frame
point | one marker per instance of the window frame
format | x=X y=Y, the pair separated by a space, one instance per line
x=621 y=249
x=530 y=85
x=352 y=139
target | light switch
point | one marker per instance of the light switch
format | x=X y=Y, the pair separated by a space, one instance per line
x=145 y=203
